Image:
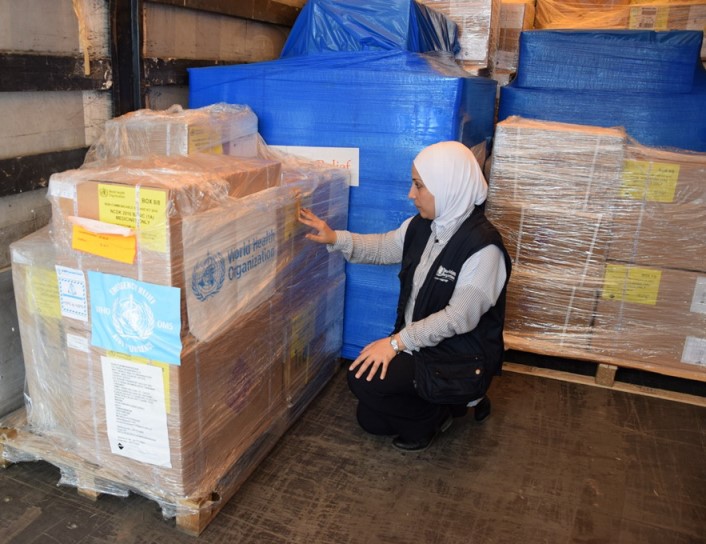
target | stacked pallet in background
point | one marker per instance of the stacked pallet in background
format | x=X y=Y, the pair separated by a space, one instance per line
x=623 y=14
x=651 y=83
x=385 y=105
x=607 y=239
x=478 y=24
x=654 y=297
x=157 y=317
x=550 y=188
x=516 y=16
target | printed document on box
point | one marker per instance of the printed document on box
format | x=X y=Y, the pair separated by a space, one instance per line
x=136 y=417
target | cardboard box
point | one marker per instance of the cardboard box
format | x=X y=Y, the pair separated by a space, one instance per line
x=477 y=22
x=554 y=304
x=221 y=129
x=48 y=402
x=178 y=428
x=130 y=211
x=536 y=235
x=515 y=16
x=659 y=217
x=560 y=165
x=314 y=332
x=652 y=315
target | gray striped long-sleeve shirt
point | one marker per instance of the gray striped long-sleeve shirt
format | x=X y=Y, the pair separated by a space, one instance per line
x=477 y=288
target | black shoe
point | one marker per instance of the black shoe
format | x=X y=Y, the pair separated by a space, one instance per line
x=420 y=445
x=481 y=411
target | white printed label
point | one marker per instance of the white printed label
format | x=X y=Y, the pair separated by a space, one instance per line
x=698 y=302
x=339 y=157
x=72 y=293
x=135 y=411
x=79 y=343
x=694 y=351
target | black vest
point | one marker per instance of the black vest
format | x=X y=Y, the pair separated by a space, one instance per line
x=486 y=340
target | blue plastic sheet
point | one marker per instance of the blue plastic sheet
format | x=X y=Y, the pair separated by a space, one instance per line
x=373 y=25
x=390 y=105
x=621 y=60
x=651 y=95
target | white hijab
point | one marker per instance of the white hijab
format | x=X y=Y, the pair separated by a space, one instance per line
x=452 y=174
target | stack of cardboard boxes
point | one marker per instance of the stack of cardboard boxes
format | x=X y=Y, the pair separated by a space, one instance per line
x=549 y=188
x=653 y=305
x=166 y=290
x=607 y=239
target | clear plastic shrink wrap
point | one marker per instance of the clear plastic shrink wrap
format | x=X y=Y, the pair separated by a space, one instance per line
x=175 y=319
x=48 y=402
x=607 y=239
x=221 y=129
x=478 y=24
x=515 y=16
x=653 y=303
x=550 y=188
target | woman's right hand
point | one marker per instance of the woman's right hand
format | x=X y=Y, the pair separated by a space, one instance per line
x=324 y=234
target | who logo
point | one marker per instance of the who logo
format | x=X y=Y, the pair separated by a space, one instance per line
x=208 y=276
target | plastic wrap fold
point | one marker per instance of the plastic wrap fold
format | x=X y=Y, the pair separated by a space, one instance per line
x=607 y=239
x=389 y=105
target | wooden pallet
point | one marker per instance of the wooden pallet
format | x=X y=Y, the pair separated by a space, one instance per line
x=193 y=514
x=606 y=368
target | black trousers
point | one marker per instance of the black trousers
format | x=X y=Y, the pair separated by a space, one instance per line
x=392 y=406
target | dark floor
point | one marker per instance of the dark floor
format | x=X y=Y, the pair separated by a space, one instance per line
x=555 y=463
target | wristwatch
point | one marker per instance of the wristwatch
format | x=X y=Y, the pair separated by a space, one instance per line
x=394 y=344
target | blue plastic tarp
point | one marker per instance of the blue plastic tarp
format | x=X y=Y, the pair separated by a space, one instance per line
x=373 y=25
x=389 y=105
x=640 y=61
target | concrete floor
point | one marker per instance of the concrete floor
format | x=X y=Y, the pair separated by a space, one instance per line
x=556 y=463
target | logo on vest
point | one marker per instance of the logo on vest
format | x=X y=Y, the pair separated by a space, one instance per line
x=442 y=274
x=208 y=275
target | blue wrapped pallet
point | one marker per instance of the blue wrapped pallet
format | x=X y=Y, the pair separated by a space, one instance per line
x=389 y=105
x=651 y=83
x=375 y=25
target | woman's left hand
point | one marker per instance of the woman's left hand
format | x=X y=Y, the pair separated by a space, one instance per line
x=375 y=356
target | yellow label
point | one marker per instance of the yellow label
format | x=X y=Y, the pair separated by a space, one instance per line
x=43 y=292
x=649 y=18
x=650 y=181
x=204 y=139
x=111 y=246
x=116 y=205
x=631 y=284
x=141 y=360
x=303 y=330
x=153 y=219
